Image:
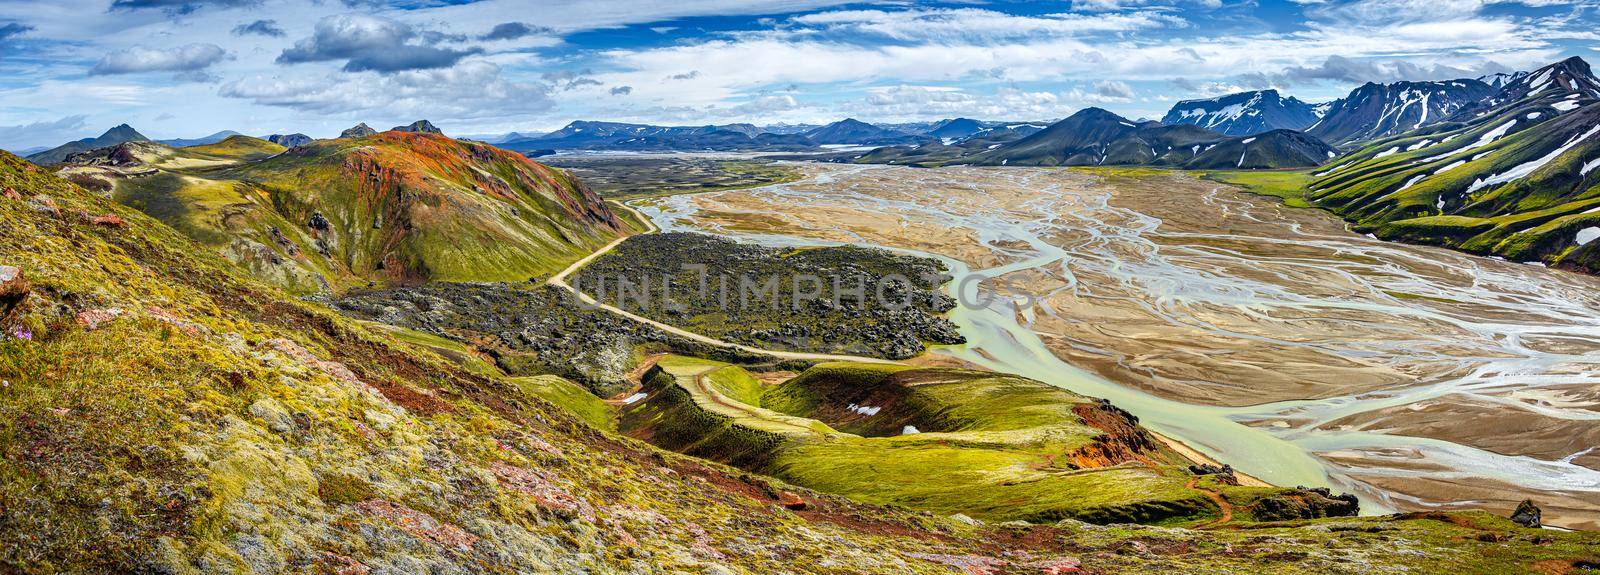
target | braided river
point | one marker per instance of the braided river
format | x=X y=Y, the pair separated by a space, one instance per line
x=1267 y=337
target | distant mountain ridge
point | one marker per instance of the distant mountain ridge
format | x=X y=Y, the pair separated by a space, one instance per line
x=617 y=136
x=1245 y=113
x=853 y=131
x=956 y=128
x=201 y=141
x=1097 y=137
x=620 y=136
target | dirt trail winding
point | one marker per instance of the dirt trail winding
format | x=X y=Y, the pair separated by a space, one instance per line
x=1222 y=503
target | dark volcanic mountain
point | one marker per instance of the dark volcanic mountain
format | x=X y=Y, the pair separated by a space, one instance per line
x=1381 y=110
x=1514 y=177
x=117 y=135
x=1270 y=150
x=853 y=131
x=1498 y=81
x=1095 y=137
x=956 y=128
x=1560 y=79
x=1245 y=113
x=201 y=141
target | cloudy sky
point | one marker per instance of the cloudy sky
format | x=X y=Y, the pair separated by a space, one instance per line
x=186 y=68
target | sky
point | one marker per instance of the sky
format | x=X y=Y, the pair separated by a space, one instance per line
x=185 y=68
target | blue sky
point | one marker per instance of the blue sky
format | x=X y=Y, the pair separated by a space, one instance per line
x=185 y=68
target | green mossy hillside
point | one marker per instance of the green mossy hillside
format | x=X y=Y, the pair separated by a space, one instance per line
x=237 y=148
x=948 y=441
x=1515 y=180
x=388 y=208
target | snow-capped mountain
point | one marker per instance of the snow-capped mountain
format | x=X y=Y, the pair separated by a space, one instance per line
x=1500 y=79
x=1096 y=137
x=1375 y=111
x=1515 y=175
x=1244 y=113
x=1558 y=80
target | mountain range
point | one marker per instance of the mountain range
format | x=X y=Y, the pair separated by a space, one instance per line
x=1249 y=130
x=1513 y=176
x=201 y=141
x=1096 y=137
x=1369 y=112
x=1375 y=111
x=172 y=406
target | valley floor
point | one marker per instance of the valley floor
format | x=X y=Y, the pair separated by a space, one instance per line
x=1268 y=337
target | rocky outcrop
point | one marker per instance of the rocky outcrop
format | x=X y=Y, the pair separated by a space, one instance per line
x=1527 y=514
x=864 y=301
x=1224 y=473
x=289 y=140
x=361 y=130
x=124 y=155
x=524 y=330
x=1306 y=503
x=1122 y=441
x=418 y=127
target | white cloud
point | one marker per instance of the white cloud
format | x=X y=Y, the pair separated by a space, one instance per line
x=471 y=89
x=370 y=43
x=187 y=58
x=41 y=133
x=973 y=24
x=1113 y=90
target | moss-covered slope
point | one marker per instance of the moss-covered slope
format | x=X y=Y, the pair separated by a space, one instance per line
x=1514 y=178
x=393 y=207
x=950 y=441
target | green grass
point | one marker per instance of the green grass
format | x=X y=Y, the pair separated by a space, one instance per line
x=1288 y=186
x=991 y=484
x=455 y=351
x=237 y=147
x=572 y=397
x=737 y=384
x=633 y=177
x=990 y=446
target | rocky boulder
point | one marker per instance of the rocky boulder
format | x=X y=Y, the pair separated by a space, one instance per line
x=14 y=288
x=1527 y=514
